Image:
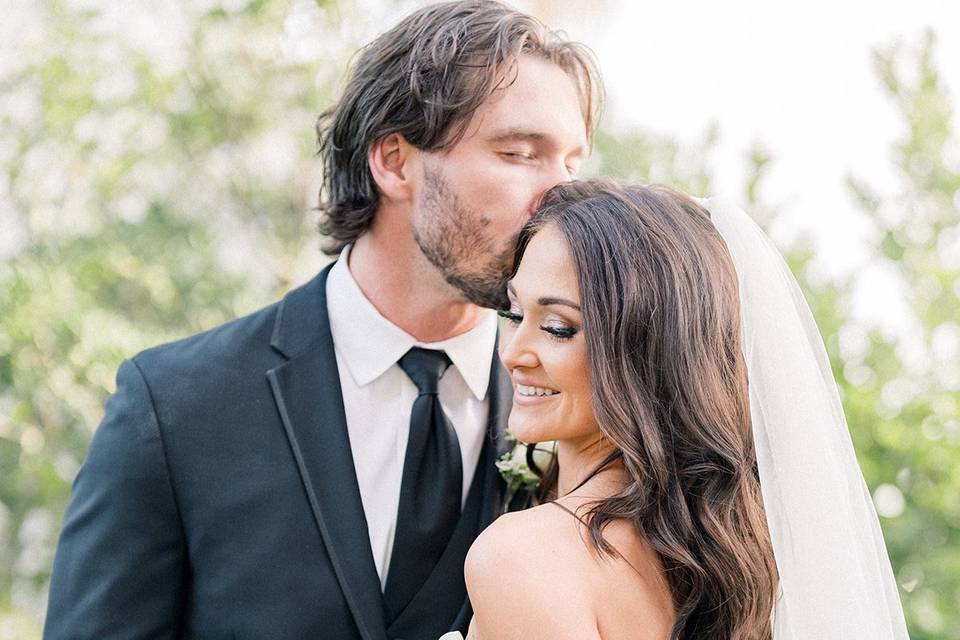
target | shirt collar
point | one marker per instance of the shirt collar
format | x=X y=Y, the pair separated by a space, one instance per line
x=369 y=344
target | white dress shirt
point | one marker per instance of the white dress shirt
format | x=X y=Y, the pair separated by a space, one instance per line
x=378 y=398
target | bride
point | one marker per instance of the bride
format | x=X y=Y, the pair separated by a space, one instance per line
x=703 y=484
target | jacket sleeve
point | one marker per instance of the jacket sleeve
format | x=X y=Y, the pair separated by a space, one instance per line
x=120 y=566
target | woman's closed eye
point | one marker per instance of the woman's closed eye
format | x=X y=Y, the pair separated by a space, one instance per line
x=555 y=332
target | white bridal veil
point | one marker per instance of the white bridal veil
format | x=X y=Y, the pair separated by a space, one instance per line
x=835 y=576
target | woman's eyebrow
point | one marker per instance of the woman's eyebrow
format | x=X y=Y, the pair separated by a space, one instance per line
x=561 y=301
x=547 y=301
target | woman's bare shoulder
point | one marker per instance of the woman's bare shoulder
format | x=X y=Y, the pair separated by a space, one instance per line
x=524 y=576
x=532 y=537
x=538 y=566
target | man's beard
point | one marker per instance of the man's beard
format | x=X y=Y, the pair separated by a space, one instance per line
x=452 y=238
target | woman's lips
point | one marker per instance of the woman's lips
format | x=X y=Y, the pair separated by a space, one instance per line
x=524 y=401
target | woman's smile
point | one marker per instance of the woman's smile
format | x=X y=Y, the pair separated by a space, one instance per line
x=525 y=395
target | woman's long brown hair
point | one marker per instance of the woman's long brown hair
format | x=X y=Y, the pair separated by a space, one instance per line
x=661 y=319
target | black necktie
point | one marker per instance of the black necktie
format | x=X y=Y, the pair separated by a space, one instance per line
x=431 y=485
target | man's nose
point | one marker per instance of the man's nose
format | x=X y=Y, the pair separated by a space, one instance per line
x=556 y=173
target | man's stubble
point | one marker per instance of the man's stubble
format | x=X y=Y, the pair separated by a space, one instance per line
x=454 y=239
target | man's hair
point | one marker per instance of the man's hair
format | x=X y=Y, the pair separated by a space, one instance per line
x=424 y=79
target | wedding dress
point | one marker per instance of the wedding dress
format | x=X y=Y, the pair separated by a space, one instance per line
x=835 y=576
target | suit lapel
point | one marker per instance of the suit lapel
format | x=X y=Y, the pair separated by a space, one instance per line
x=500 y=397
x=501 y=400
x=308 y=396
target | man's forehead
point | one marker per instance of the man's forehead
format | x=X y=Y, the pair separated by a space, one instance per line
x=540 y=102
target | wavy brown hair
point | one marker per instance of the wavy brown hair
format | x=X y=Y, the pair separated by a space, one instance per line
x=424 y=79
x=661 y=319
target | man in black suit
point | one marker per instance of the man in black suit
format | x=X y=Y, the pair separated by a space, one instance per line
x=319 y=468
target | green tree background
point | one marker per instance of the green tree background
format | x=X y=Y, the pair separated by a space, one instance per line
x=152 y=186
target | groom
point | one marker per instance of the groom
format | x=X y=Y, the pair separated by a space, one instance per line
x=319 y=468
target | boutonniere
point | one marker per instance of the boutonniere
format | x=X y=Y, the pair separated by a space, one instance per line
x=516 y=471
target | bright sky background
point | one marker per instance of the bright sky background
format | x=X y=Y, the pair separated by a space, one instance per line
x=796 y=76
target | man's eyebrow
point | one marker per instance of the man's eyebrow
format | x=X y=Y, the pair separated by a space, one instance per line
x=547 y=301
x=518 y=133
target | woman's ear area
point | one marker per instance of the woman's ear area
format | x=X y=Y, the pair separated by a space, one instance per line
x=393 y=164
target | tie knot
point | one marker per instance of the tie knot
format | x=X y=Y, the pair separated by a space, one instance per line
x=425 y=366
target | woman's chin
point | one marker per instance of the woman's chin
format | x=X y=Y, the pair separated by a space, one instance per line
x=526 y=432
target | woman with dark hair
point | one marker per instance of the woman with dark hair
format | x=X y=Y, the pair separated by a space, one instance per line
x=700 y=447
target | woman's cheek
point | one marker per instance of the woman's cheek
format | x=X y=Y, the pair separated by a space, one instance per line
x=574 y=380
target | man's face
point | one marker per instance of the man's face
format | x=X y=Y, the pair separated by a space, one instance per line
x=471 y=200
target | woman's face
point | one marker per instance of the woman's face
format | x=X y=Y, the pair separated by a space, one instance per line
x=543 y=347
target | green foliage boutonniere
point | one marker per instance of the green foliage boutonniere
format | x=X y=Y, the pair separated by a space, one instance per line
x=515 y=470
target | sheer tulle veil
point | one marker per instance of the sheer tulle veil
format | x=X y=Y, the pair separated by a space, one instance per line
x=835 y=576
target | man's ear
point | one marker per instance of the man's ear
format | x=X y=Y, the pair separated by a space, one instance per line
x=390 y=164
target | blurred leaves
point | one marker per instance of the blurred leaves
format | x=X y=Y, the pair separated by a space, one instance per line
x=156 y=176
x=639 y=156
x=902 y=393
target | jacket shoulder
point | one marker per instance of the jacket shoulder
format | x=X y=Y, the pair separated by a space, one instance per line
x=229 y=346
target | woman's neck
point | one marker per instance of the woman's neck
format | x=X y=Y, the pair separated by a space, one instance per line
x=578 y=459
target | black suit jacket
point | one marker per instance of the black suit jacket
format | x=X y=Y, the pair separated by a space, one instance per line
x=219 y=498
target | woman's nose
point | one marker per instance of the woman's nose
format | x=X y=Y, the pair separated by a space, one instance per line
x=515 y=351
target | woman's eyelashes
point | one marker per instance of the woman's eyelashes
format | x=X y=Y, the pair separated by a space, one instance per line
x=510 y=316
x=554 y=332
x=560 y=333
